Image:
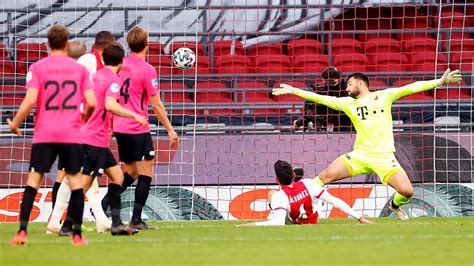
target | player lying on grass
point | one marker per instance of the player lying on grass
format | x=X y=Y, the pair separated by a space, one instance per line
x=57 y=85
x=98 y=158
x=61 y=192
x=371 y=114
x=294 y=202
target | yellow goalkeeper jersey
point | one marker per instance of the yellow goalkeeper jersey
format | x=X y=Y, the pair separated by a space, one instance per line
x=371 y=115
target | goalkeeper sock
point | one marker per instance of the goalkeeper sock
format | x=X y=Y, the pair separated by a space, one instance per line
x=141 y=195
x=399 y=200
x=319 y=181
x=93 y=196
x=62 y=202
x=55 y=191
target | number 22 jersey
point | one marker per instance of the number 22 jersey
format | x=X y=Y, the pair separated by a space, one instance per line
x=61 y=83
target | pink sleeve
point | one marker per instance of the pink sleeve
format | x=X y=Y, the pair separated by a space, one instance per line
x=114 y=90
x=150 y=82
x=32 y=78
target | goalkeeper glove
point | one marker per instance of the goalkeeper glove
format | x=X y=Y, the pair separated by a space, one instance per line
x=450 y=77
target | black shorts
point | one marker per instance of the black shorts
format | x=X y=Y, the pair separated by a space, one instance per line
x=96 y=160
x=135 y=147
x=43 y=156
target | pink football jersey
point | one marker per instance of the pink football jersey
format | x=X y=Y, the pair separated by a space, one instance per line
x=96 y=130
x=61 y=83
x=139 y=83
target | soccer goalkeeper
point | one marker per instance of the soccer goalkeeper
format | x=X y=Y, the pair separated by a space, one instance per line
x=370 y=112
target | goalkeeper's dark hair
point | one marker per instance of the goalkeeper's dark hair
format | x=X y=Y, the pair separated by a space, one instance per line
x=113 y=54
x=284 y=172
x=299 y=173
x=359 y=76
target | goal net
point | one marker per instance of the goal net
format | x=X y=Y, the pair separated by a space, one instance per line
x=232 y=129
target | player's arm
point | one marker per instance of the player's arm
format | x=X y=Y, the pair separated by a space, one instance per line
x=162 y=115
x=448 y=77
x=91 y=102
x=341 y=205
x=330 y=101
x=278 y=219
x=113 y=106
x=25 y=109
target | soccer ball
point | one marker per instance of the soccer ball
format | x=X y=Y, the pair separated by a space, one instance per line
x=184 y=58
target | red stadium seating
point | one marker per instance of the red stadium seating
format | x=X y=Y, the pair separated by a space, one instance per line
x=377 y=85
x=374 y=23
x=255 y=97
x=202 y=63
x=451 y=93
x=231 y=64
x=162 y=64
x=390 y=62
x=177 y=93
x=228 y=47
x=191 y=45
x=28 y=53
x=289 y=97
x=304 y=47
x=429 y=61
x=351 y=62
x=421 y=96
x=346 y=46
x=7 y=68
x=463 y=45
x=412 y=20
x=266 y=49
x=156 y=48
x=3 y=51
x=463 y=61
x=419 y=45
x=220 y=98
x=343 y=25
x=272 y=64
x=310 y=63
x=452 y=20
x=382 y=45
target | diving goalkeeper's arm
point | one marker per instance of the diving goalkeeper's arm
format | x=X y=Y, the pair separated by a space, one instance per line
x=330 y=101
x=449 y=77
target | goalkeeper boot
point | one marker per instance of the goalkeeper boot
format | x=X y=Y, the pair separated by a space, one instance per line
x=401 y=214
x=103 y=226
x=19 y=239
x=123 y=230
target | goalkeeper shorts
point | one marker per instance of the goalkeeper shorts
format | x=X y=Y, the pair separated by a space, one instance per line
x=359 y=162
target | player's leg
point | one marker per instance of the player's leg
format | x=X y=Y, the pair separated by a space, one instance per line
x=59 y=178
x=64 y=194
x=401 y=183
x=72 y=157
x=337 y=170
x=42 y=157
x=142 y=190
x=116 y=178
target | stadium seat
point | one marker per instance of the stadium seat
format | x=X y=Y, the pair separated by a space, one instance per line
x=419 y=45
x=351 y=62
x=191 y=45
x=346 y=46
x=28 y=53
x=450 y=19
x=390 y=62
x=304 y=47
x=272 y=64
x=343 y=26
x=220 y=98
x=7 y=68
x=3 y=51
x=265 y=49
x=212 y=86
x=417 y=21
x=162 y=64
x=202 y=63
x=310 y=63
x=231 y=64
x=228 y=47
x=421 y=96
x=381 y=45
x=377 y=85
x=429 y=61
x=463 y=61
x=374 y=23
x=156 y=49
x=260 y=96
x=174 y=91
x=451 y=93
x=12 y=100
x=459 y=45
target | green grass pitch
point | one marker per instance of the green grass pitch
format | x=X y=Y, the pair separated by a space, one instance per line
x=420 y=241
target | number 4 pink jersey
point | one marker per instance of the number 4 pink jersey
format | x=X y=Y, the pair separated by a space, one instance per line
x=61 y=83
x=96 y=130
x=139 y=84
